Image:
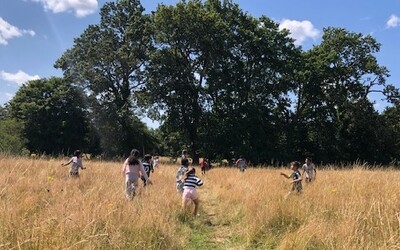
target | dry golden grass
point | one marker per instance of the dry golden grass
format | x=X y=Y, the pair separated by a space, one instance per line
x=41 y=207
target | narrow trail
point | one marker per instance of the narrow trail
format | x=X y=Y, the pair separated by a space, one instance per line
x=218 y=232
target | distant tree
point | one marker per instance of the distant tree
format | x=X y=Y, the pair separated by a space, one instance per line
x=332 y=98
x=176 y=69
x=107 y=60
x=391 y=137
x=3 y=112
x=11 y=136
x=217 y=75
x=53 y=114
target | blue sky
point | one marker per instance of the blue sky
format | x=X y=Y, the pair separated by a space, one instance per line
x=35 y=33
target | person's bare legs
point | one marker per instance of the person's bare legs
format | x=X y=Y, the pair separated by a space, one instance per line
x=196 y=206
x=184 y=203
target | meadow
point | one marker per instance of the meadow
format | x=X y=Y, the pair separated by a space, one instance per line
x=41 y=207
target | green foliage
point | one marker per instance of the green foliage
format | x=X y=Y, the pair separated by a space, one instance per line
x=182 y=35
x=333 y=118
x=215 y=71
x=224 y=83
x=11 y=137
x=107 y=61
x=390 y=134
x=53 y=114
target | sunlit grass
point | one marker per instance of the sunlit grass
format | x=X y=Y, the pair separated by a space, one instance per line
x=43 y=208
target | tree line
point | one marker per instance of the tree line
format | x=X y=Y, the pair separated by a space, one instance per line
x=221 y=82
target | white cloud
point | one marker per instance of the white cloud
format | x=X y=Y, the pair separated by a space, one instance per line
x=300 y=30
x=9 y=96
x=393 y=21
x=8 y=31
x=20 y=77
x=5 y=97
x=81 y=8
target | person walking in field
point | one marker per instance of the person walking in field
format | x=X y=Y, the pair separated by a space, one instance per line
x=132 y=169
x=156 y=162
x=180 y=175
x=310 y=170
x=241 y=163
x=76 y=161
x=204 y=165
x=189 y=190
x=184 y=155
x=295 y=176
x=148 y=166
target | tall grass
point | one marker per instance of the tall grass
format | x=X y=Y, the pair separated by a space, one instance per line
x=41 y=207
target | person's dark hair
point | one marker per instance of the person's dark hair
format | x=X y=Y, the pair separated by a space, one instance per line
x=184 y=151
x=185 y=162
x=77 y=153
x=147 y=157
x=191 y=171
x=135 y=153
x=134 y=157
x=296 y=164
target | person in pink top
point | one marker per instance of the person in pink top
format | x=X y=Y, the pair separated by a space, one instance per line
x=133 y=169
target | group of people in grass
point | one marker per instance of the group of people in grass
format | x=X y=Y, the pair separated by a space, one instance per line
x=134 y=169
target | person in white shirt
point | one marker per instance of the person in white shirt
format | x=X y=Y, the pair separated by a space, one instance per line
x=309 y=170
x=156 y=162
x=76 y=161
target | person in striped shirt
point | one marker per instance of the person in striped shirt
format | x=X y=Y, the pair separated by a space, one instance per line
x=189 y=190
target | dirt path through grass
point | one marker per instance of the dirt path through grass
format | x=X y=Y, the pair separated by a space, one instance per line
x=214 y=229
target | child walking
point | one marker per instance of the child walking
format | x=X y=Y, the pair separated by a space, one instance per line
x=241 y=163
x=295 y=176
x=180 y=174
x=76 y=161
x=132 y=168
x=189 y=190
x=310 y=170
x=148 y=166
x=204 y=166
x=184 y=155
x=156 y=162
